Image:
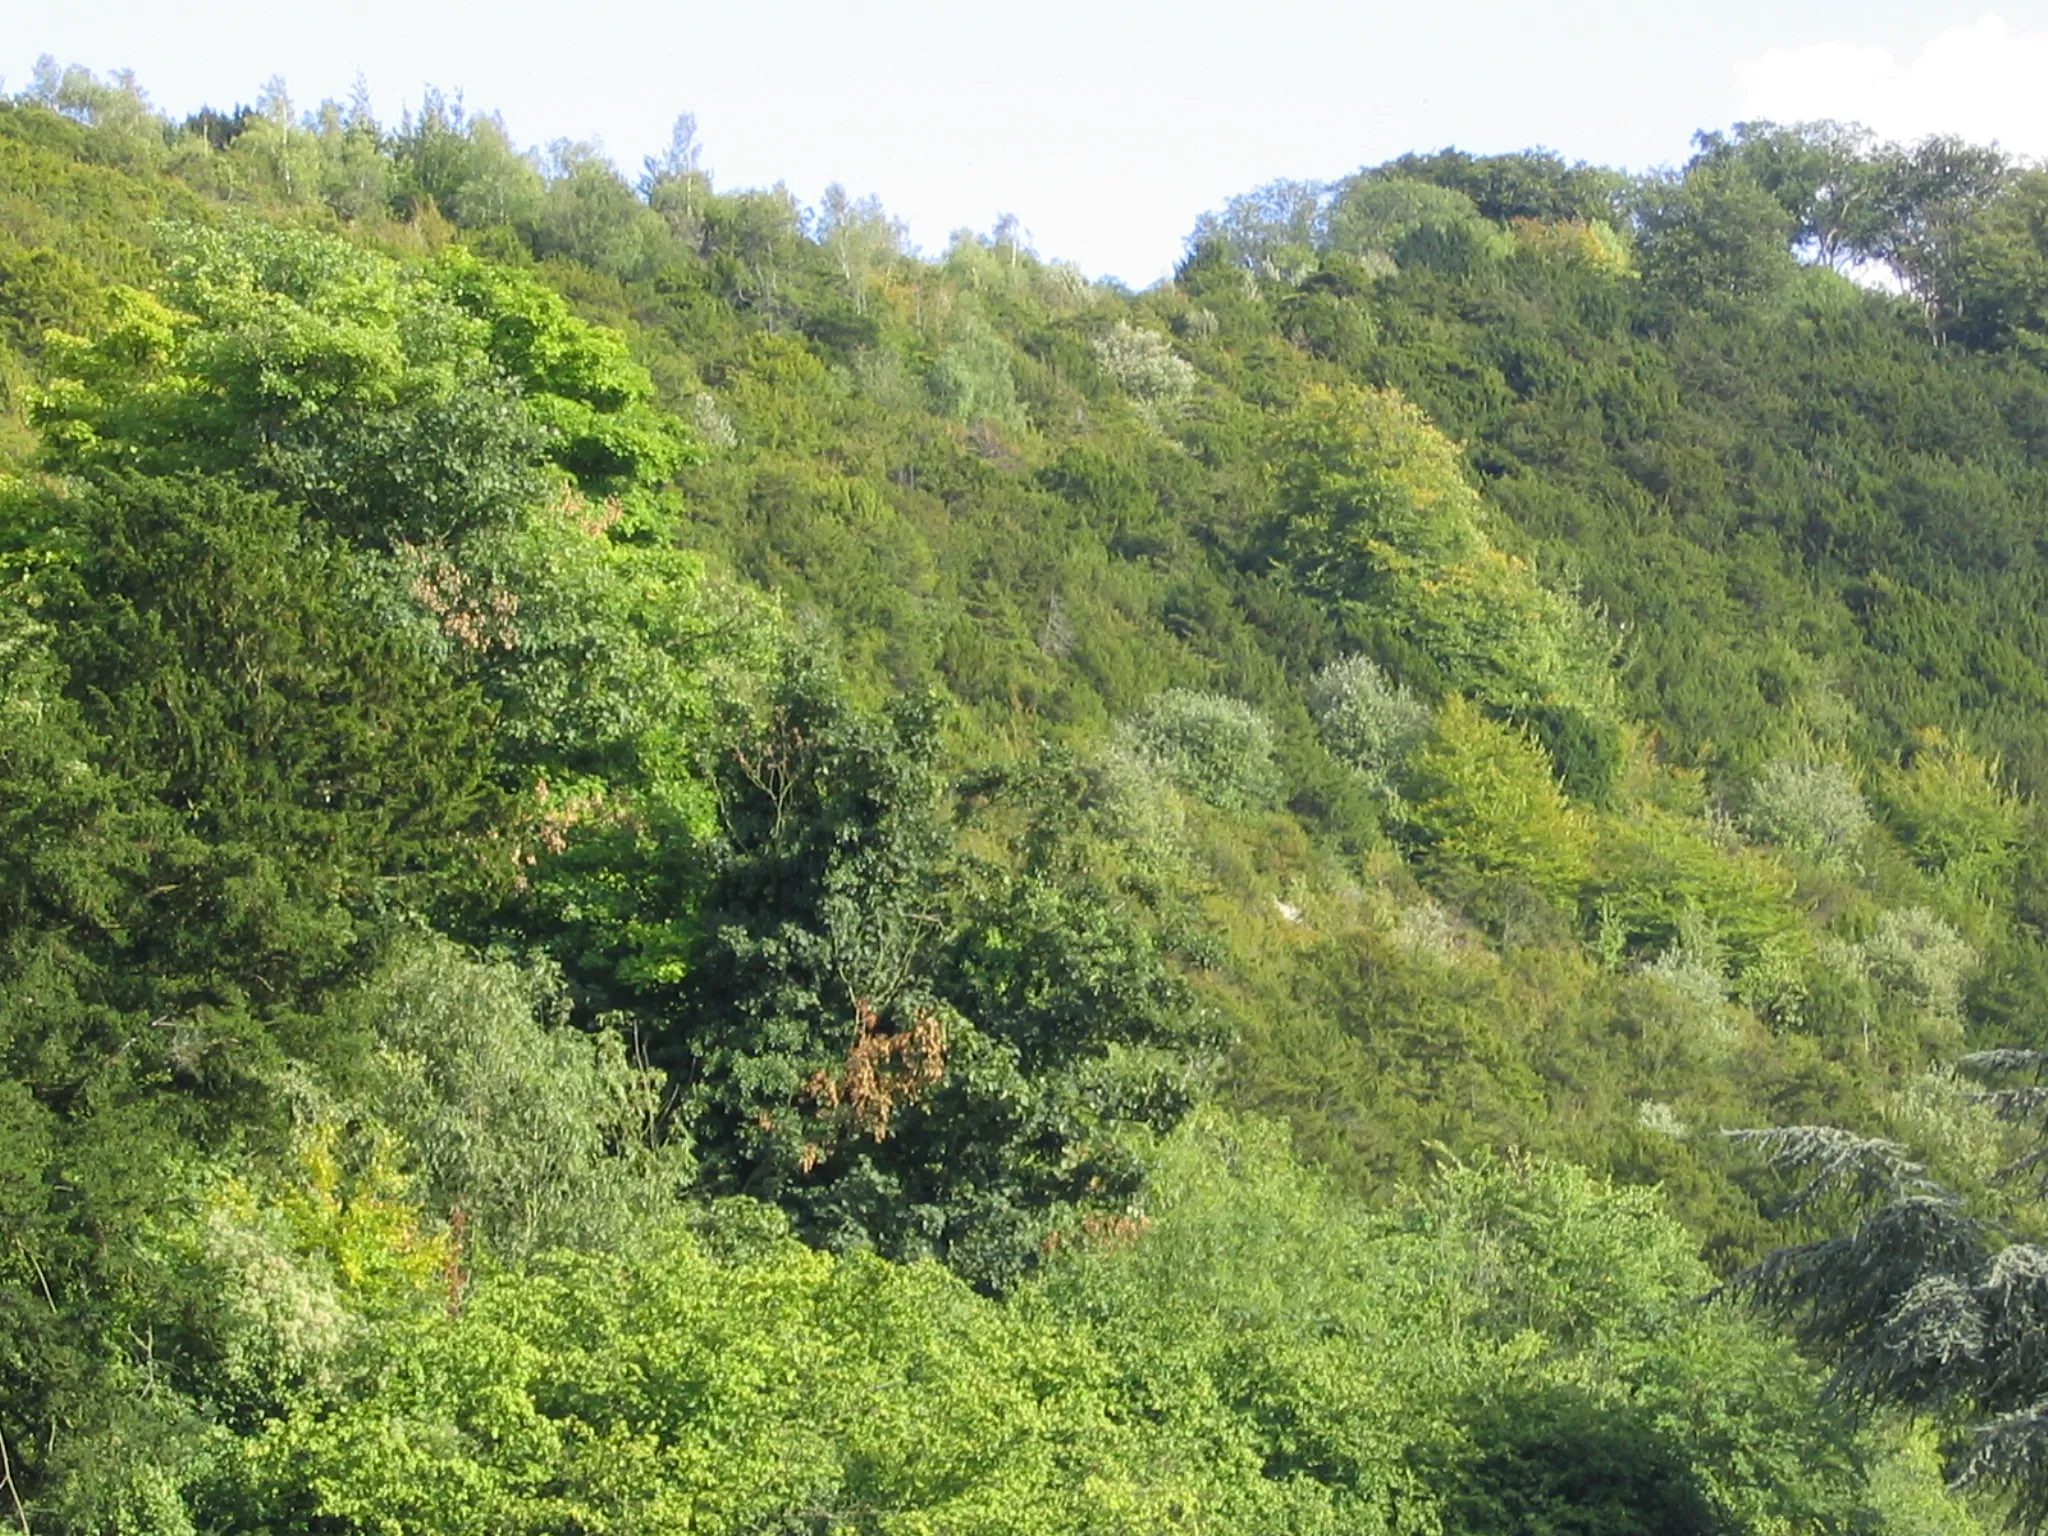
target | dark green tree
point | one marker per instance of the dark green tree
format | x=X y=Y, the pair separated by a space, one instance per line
x=1714 y=236
x=906 y=1054
x=1925 y=1301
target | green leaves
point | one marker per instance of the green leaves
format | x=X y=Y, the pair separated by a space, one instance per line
x=357 y=609
x=223 y=646
x=1481 y=800
x=1954 y=811
x=1377 y=514
x=906 y=1054
x=580 y=383
x=398 y=404
x=1516 y=1343
x=1217 y=749
x=308 y=367
x=773 y=1390
x=538 y=1133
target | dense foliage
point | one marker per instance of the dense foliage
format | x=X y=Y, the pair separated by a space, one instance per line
x=663 y=866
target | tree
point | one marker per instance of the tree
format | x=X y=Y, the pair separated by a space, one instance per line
x=222 y=772
x=1934 y=192
x=2002 y=269
x=238 y=664
x=905 y=1054
x=590 y=214
x=1368 y=721
x=1923 y=1302
x=1218 y=749
x=285 y=150
x=1377 y=513
x=393 y=426
x=1481 y=799
x=1956 y=813
x=1714 y=236
x=861 y=236
x=579 y=384
x=1373 y=215
x=1834 y=179
x=684 y=156
x=117 y=108
x=463 y=165
x=355 y=172
x=524 y=1130
x=1533 y=184
x=676 y=185
x=1278 y=227
x=420 y=408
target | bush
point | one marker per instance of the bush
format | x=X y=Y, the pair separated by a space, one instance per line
x=1380 y=519
x=1218 y=749
x=1952 y=809
x=540 y=1133
x=1133 y=805
x=1919 y=960
x=1145 y=367
x=1584 y=748
x=1815 y=810
x=1368 y=721
x=973 y=379
x=1693 y=974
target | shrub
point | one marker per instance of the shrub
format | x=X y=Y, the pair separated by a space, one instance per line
x=1815 y=810
x=1133 y=805
x=1218 y=749
x=1379 y=517
x=1585 y=748
x=973 y=378
x=539 y=1132
x=1368 y=721
x=1953 y=811
x=1918 y=959
x=1660 y=1119
x=1145 y=367
x=1694 y=974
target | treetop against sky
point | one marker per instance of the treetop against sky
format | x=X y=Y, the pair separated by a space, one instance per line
x=1104 y=129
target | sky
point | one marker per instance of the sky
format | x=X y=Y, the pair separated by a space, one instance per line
x=1105 y=126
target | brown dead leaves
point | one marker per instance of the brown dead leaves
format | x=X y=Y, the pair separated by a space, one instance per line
x=884 y=1070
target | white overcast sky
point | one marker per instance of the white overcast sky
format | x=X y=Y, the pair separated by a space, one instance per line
x=1106 y=126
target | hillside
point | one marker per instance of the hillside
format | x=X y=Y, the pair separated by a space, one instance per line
x=667 y=867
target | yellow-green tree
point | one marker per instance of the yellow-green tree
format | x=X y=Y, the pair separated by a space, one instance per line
x=1482 y=800
x=1377 y=515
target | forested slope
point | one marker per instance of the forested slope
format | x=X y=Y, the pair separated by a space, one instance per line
x=665 y=867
